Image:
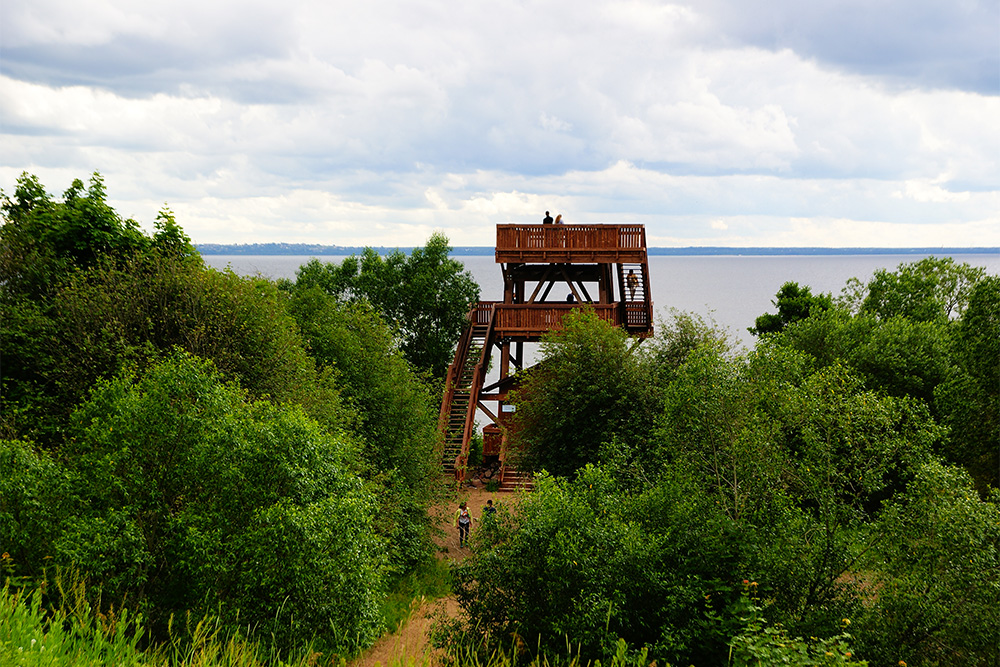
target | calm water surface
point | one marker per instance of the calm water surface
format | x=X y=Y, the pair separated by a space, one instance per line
x=732 y=289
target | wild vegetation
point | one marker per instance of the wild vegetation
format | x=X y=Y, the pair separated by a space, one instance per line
x=202 y=468
x=194 y=442
x=838 y=480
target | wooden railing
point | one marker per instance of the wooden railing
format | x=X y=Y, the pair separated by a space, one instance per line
x=483 y=312
x=513 y=237
x=480 y=313
x=514 y=319
x=535 y=319
x=638 y=316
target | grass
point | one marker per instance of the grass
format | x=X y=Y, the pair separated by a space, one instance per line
x=35 y=632
x=431 y=580
x=74 y=634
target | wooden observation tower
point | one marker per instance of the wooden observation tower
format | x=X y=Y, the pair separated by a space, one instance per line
x=548 y=270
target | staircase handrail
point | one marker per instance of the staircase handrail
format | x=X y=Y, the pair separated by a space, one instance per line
x=455 y=368
x=486 y=313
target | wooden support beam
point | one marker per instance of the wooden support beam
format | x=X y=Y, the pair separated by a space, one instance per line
x=572 y=287
x=489 y=413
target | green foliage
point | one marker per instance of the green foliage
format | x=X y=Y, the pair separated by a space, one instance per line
x=969 y=401
x=425 y=296
x=182 y=495
x=592 y=562
x=397 y=415
x=174 y=490
x=713 y=424
x=101 y=321
x=930 y=289
x=800 y=461
x=32 y=489
x=897 y=355
x=430 y=580
x=794 y=303
x=88 y=295
x=678 y=337
x=475 y=450
x=587 y=390
x=928 y=331
x=935 y=575
x=42 y=239
x=764 y=644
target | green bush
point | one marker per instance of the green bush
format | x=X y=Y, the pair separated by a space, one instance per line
x=397 y=414
x=935 y=575
x=186 y=496
x=763 y=644
x=590 y=562
x=588 y=390
x=32 y=494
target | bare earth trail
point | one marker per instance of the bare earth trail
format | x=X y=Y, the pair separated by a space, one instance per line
x=411 y=639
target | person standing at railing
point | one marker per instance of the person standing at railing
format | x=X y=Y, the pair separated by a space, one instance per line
x=559 y=219
x=632 y=281
x=547 y=220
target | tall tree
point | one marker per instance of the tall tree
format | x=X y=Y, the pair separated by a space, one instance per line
x=969 y=401
x=41 y=238
x=587 y=391
x=397 y=411
x=794 y=303
x=929 y=289
x=425 y=295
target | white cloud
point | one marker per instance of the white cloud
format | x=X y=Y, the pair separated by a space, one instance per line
x=380 y=120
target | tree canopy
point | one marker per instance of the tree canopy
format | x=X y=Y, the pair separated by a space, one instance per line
x=425 y=295
x=192 y=440
x=827 y=469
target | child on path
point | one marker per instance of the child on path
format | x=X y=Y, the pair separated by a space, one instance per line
x=489 y=510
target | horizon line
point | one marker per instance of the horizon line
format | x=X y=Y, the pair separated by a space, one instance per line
x=292 y=249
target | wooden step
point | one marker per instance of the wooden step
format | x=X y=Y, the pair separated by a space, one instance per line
x=516 y=480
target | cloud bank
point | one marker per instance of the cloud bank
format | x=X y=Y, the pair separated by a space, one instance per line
x=717 y=122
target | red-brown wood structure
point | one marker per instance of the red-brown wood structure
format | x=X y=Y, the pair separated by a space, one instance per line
x=603 y=267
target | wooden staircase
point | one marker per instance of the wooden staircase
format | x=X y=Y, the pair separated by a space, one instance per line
x=458 y=409
x=516 y=480
x=540 y=255
x=633 y=279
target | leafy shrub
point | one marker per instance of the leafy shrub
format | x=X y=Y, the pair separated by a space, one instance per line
x=185 y=496
x=935 y=571
x=31 y=495
x=593 y=562
x=397 y=414
x=587 y=391
x=763 y=644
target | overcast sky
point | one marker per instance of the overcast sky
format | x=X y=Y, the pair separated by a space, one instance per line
x=372 y=122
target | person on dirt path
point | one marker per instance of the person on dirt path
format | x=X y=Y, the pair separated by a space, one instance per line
x=489 y=510
x=463 y=521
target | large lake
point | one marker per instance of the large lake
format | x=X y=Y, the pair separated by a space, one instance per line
x=733 y=290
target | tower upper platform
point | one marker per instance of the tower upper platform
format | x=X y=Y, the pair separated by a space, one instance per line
x=554 y=244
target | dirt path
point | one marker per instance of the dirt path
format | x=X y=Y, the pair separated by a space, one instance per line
x=410 y=640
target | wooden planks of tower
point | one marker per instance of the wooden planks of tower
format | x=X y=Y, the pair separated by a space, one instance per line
x=602 y=253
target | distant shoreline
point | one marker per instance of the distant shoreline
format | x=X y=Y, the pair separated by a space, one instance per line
x=694 y=251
